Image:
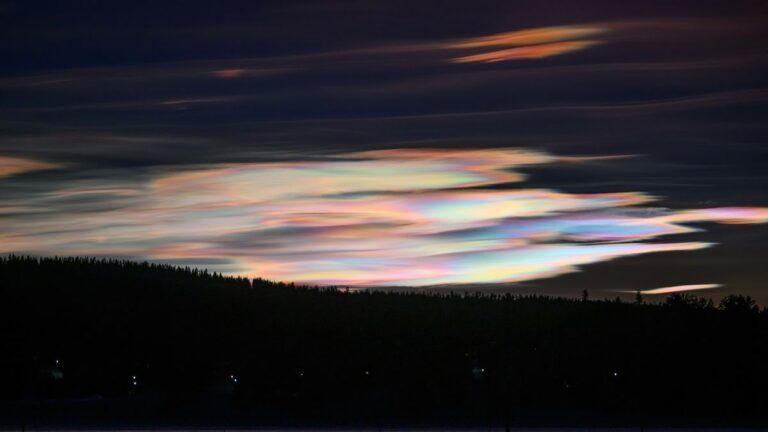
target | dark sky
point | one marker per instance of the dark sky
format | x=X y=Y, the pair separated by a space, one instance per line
x=572 y=142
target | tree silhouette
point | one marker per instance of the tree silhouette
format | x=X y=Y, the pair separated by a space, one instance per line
x=739 y=304
x=322 y=355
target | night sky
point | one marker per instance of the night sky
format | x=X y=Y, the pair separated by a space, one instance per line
x=527 y=147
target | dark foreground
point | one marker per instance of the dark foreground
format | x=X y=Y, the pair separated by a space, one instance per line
x=433 y=429
x=117 y=344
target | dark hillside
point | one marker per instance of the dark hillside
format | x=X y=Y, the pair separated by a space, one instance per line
x=119 y=343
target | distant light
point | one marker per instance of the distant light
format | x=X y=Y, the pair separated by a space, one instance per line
x=482 y=370
x=135 y=383
x=301 y=374
x=615 y=374
x=57 y=361
x=231 y=377
x=235 y=380
x=133 y=377
x=367 y=373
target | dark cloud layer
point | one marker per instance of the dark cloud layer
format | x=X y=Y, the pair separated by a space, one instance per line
x=109 y=94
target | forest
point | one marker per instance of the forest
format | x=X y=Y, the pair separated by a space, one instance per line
x=101 y=342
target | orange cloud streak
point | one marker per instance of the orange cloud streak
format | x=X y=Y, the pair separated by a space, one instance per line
x=10 y=166
x=678 y=288
x=527 y=52
x=534 y=36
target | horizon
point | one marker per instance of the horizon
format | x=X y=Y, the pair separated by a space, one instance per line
x=518 y=148
x=116 y=344
x=658 y=297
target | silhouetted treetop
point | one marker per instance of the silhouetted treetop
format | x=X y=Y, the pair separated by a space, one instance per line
x=74 y=328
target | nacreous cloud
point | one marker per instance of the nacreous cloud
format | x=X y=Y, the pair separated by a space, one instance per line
x=529 y=44
x=10 y=166
x=528 y=52
x=388 y=217
x=535 y=36
x=677 y=289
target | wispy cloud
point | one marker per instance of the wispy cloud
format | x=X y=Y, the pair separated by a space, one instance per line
x=533 y=43
x=10 y=166
x=528 y=52
x=534 y=36
x=676 y=289
x=530 y=43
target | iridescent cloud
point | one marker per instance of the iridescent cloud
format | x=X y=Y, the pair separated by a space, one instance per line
x=534 y=36
x=528 y=52
x=10 y=166
x=678 y=288
x=389 y=217
x=533 y=43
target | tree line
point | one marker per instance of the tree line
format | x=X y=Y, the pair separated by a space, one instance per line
x=103 y=340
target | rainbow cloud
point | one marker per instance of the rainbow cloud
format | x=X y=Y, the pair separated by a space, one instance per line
x=677 y=289
x=528 y=52
x=534 y=36
x=402 y=217
x=10 y=166
x=526 y=44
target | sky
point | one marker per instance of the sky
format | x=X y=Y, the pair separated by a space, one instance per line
x=527 y=147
